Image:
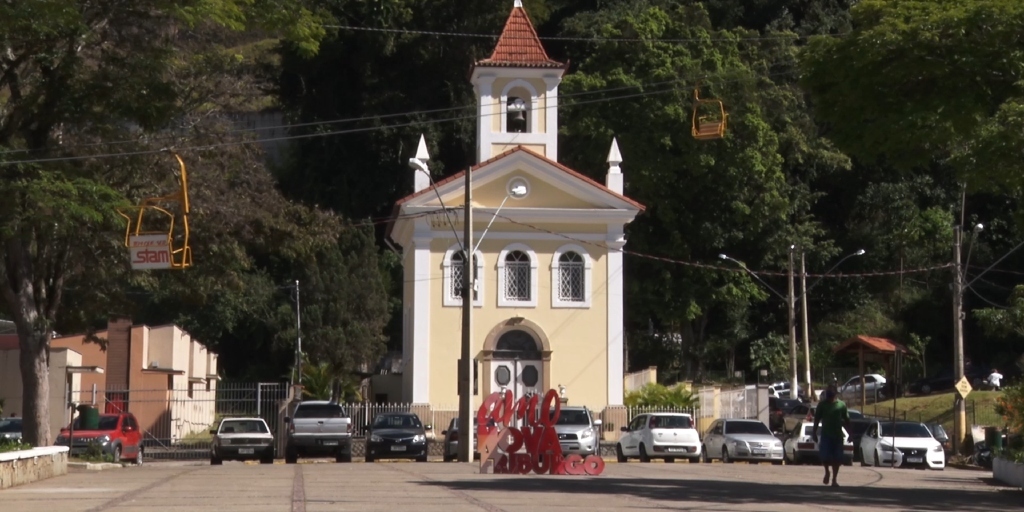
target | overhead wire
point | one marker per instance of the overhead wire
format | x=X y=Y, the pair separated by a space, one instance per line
x=342 y=132
x=576 y=38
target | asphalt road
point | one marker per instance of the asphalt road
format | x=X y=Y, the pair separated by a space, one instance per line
x=434 y=486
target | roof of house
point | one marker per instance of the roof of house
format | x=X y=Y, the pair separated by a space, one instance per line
x=508 y=153
x=519 y=45
x=880 y=345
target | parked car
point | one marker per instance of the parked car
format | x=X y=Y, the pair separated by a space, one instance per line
x=944 y=380
x=117 y=435
x=805 y=412
x=242 y=439
x=874 y=386
x=907 y=442
x=397 y=435
x=734 y=439
x=660 y=435
x=800 y=446
x=10 y=428
x=318 y=428
x=778 y=408
x=450 y=448
x=856 y=430
x=578 y=432
x=940 y=435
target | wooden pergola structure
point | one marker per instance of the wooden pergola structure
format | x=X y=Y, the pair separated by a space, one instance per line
x=868 y=348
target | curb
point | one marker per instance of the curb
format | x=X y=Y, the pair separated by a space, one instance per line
x=94 y=466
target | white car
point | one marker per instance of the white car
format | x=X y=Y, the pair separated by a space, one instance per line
x=874 y=386
x=800 y=447
x=736 y=439
x=913 y=445
x=242 y=439
x=660 y=435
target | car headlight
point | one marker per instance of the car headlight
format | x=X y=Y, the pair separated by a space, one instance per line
x=739 y=444
x=104 y=439
x=937 y=448
x=61 y=440
x=374 y=438
x=778 y=444
x=586 y=434
x=887 y=448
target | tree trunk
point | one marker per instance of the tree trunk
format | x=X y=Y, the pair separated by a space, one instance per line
x=35 y=381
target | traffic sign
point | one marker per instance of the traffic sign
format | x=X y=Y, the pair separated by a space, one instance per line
x=963 y=387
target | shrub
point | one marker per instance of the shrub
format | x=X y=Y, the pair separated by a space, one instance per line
x=13 y=445
x=1011 y=407
x=658 y=395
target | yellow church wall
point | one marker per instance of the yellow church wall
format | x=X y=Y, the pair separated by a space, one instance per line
x=540 y=149
x=578 y=337
x=541 y=194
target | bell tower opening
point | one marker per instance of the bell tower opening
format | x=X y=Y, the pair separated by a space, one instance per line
x=517 y=118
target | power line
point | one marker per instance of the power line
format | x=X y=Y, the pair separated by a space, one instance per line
x=721 y=268
x=573 y=38
x=346 y=120
x=344 y=132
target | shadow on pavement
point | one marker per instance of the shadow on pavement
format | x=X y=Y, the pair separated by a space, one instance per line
x=748 y=493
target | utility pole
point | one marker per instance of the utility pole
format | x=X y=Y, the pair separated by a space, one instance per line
x=803 y=321
x=960 y=407
x=791 y=301
x=298 y=336
x=466 y=433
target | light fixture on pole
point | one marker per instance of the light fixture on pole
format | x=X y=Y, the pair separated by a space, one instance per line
x=803 y=313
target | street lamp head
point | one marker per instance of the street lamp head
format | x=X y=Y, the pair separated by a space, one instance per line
x=722 y=257
x=979 y=227
x=860 y=252
x=518 y=191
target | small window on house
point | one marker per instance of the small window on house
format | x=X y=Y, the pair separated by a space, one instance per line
x=571 y=277
x=458 y=272
x=517 y=276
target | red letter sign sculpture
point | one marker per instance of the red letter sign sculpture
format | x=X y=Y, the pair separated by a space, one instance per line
x=532 y=446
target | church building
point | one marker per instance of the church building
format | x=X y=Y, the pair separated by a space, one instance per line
x=548 y=292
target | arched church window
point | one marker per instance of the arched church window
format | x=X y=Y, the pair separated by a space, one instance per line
x=517 y=344
x=517 y=276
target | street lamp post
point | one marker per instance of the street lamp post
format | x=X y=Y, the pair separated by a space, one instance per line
x=803 y=313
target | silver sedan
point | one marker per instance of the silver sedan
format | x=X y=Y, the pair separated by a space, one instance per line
x=749 y=440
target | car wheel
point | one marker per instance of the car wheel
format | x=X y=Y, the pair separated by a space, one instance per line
x=214 y=461
x=117 y=454
x=704 y=454
x=670 y=460
x=643 y=454
x=725 y=456
x=138 y=457
x=422 y=458
x=619 y=456
x=291 y=457
x=875 y=462
x=266 y=460
x=368 y=458
x=343 y=457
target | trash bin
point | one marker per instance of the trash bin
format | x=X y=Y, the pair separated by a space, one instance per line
x=90 y=417
x=993 y=438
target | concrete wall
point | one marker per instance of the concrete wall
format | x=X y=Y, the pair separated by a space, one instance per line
x=11 y=389
x=22 y=467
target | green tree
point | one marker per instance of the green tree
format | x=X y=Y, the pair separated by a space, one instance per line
x=659 y=395
x=747 y=195
x=71 y=73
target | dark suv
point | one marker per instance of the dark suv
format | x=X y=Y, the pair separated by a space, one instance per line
x=778 y=408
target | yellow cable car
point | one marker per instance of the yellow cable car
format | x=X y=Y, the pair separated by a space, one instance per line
x=161 y=247
x=709 y=123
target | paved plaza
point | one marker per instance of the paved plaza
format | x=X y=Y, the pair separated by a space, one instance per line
x=450 y=487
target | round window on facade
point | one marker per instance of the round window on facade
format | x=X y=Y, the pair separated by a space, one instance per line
x=518 y=188
x=502 y=376
x=530 y=376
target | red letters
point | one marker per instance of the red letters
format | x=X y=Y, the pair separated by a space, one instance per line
x=534 y=446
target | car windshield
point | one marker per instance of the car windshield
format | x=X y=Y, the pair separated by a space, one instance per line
x=10 y=425
x=573 y=417
x=243 y=427
x=671 y=422
x=107 y=422
x=319 y=411
x=905 y=430
x=397 y=421
x=746 y=427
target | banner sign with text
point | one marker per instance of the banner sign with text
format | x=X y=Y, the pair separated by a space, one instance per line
x=150 y=251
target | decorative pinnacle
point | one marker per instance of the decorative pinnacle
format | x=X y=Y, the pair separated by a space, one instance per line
x=519 y=3
x=421 y=150
x=614 y=156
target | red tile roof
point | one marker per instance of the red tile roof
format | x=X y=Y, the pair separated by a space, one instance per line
x=882 y=345
x=519 y=46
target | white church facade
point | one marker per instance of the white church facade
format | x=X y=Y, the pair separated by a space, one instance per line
x=548 y=291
